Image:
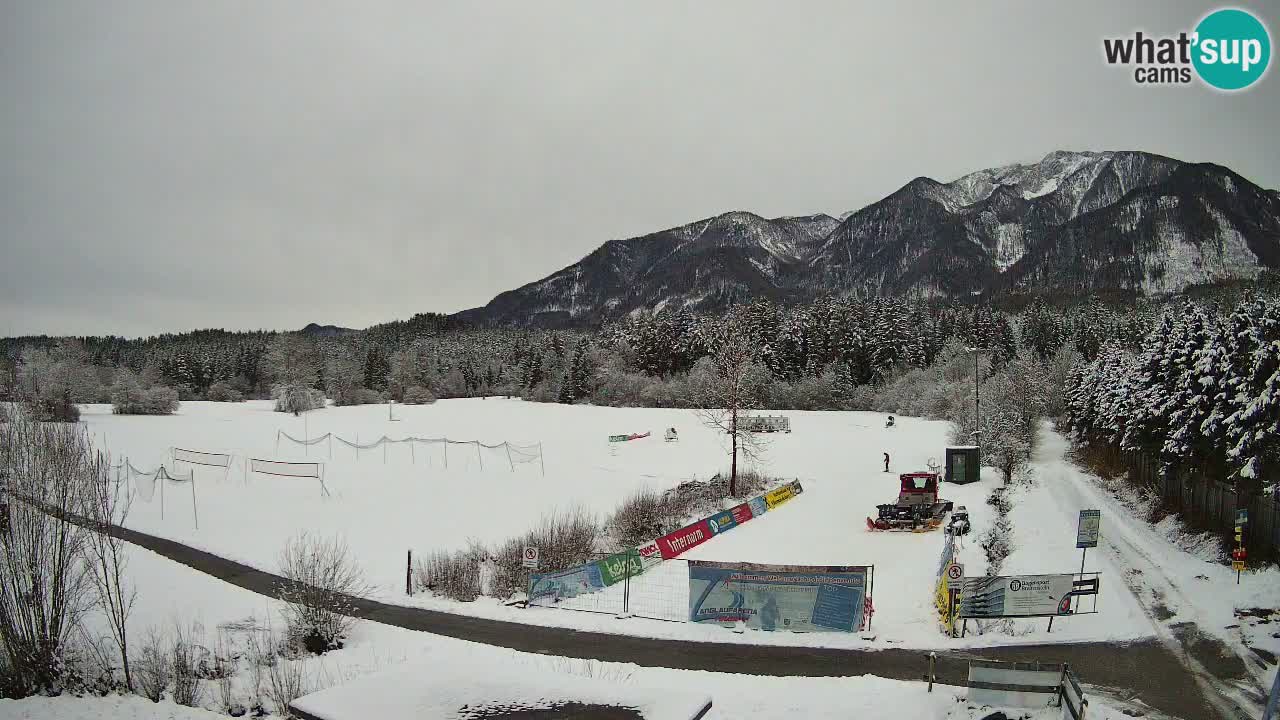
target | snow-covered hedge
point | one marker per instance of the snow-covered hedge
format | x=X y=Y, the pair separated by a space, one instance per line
x=296 y=398
x=222 y=392
x=130 y=398
x=418 y=395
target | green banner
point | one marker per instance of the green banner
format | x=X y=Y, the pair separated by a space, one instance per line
x=613 y=569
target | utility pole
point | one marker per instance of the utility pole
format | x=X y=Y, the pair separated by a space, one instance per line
x=977 y=434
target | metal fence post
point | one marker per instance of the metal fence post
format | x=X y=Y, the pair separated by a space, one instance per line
x=933 y=665
x=626 y=588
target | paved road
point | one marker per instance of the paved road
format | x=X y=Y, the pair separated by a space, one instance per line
x=1146 y=671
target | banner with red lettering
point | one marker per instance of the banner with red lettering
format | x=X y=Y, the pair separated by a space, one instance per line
x=684 y=539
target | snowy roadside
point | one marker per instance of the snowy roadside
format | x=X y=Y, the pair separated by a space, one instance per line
x=1181 y=592
x=170 y=592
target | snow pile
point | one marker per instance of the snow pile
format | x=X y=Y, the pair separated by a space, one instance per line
x=112 y=707
x=465 y=688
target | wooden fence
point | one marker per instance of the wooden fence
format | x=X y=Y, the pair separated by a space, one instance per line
x=1208 y=504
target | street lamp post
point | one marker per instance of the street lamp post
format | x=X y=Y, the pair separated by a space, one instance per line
x=977 y=434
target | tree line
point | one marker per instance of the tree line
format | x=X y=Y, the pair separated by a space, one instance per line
x=1199 y=391
x=810 y=356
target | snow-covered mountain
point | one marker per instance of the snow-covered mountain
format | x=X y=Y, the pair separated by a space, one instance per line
x=1073 y=222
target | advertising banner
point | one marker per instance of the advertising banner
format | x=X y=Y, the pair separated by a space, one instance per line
x=614 y=569
x=1016 y=596
x=650 y=554
x=757 y=505
x=729 y=519
x=799 y=598
x=690 y=536
x=545 y=588
x=774 y=498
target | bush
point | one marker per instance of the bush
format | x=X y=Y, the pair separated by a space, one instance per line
x=643 y=516
x=187 y=658
x=152 y=666
x=323 y=580
x=418 y=395
x=223 y=392
x=563 y=540
x=130 y=398
x=455 y=576
x=352 y=395
x=53 y=408
x=295 y=398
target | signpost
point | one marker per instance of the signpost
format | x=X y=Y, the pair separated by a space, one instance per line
x=955 y=576
x=1088 y=530
x=529 y=561
x=1239 y=554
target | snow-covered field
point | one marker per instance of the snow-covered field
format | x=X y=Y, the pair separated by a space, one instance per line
x=383 y=508
x=388 y=501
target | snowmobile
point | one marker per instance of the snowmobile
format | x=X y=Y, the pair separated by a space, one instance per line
x=918 y=508
x=959 y=524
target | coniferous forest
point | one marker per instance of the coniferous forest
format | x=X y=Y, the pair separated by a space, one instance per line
x=1193 y=382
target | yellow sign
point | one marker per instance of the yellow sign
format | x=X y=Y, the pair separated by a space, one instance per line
x=942 y=601
x=1237 y=565
x=774 y=498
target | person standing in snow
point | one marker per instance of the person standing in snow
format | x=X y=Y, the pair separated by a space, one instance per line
x=886 y=462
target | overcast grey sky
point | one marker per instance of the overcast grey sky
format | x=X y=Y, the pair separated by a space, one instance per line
x=173 y=165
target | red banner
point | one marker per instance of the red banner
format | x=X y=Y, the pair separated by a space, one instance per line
x=683 y=539
x=742 y=513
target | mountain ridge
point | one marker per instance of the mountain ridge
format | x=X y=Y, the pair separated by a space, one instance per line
x=1073 y=222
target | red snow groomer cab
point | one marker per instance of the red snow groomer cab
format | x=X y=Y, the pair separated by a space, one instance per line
x=918 y=508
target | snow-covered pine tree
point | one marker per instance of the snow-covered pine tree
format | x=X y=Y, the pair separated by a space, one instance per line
x=1192 y=400
x=1253 y=429
x=1151 y=389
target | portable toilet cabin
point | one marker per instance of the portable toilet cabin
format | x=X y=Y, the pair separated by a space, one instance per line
x=963 y=464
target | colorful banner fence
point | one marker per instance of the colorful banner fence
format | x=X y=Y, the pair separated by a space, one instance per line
x=551 y=587
x=799 y=598
x=943 y=586
x=624 y=438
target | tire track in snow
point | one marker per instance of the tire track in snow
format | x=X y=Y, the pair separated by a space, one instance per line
x=1147 y=577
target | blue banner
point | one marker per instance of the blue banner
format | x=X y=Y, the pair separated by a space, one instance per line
x=799 y=598
x=546 y=588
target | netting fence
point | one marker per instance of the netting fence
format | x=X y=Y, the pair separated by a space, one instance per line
x=147 y=482
x=659 y=593
x=430 y=451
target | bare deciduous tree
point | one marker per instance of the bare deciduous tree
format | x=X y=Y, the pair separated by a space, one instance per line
x=45 y=585
x=105 y=554
x=729 y=388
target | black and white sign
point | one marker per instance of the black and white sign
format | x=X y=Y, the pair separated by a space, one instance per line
x=530 y=558
x=1089 y=528
x=1016 y=596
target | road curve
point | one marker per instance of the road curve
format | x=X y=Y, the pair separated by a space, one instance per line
x=1146 y=671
